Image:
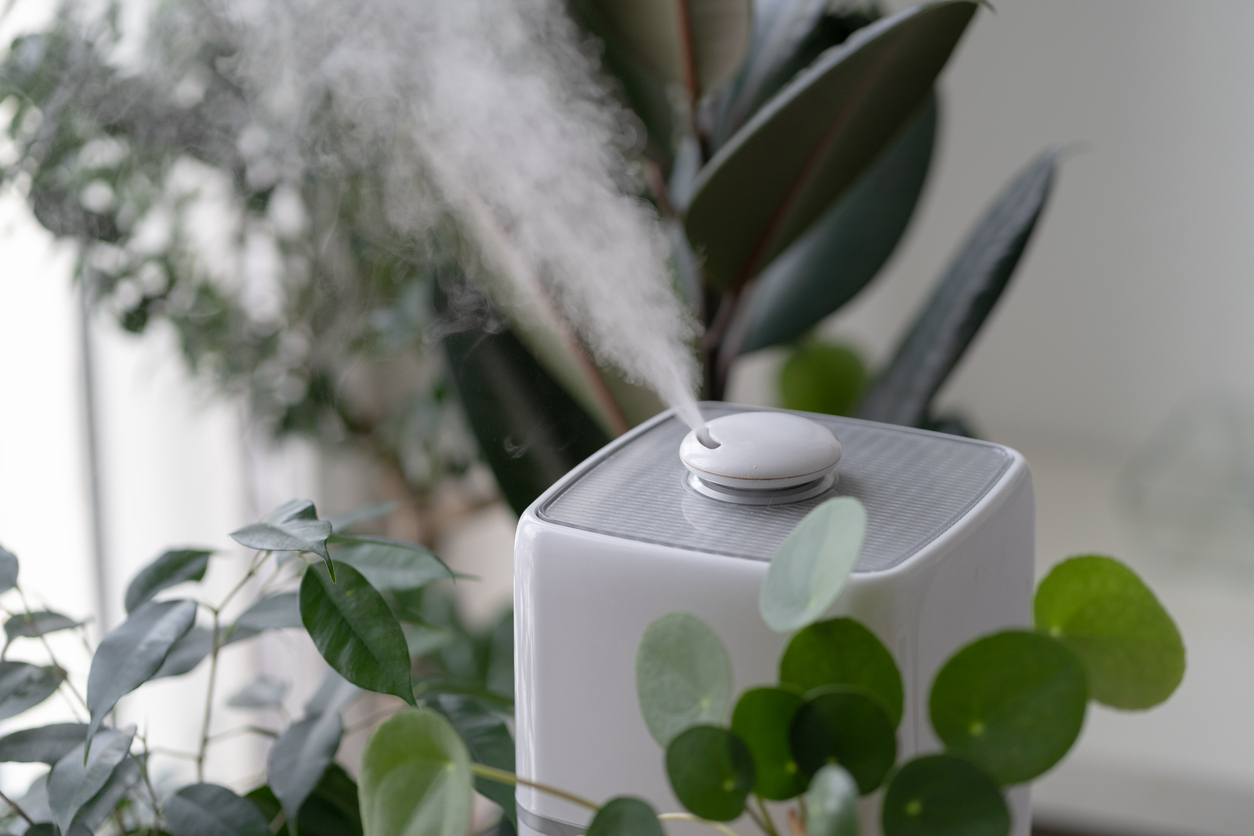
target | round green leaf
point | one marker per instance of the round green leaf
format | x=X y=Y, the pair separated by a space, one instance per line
x=1110 y=619
x=942 y=794
x=842 y=652
x=625 y=816
x=711 y=772
x=212 y=810
x=415 y=778
x=762 y=719
x=848 y=726
x=1012 y=703
x=821 y=377
x=812 y=565
x=355 y=631
x=683 y=676
x=831 y=803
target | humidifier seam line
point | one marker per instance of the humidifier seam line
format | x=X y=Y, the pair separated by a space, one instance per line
x=548 y=826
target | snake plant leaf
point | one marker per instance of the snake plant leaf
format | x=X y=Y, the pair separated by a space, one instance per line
x=810 y=568
x=300 y=756
x=415 y=778
x=292 y=527
x=683 y=676
x=488 y=741
x=847 y=245
x=35 y=624
x=188 y=652
x=355 y=631
x=943 y=794
x=831 y=803
x=78 y=775
x=962 y=301
x=696 y=43
x=131 y=653
x=806 y=146
x=43 y=744
x=172 y=567
x=23 y=686
x=625 y=816
x=8 y=570
x=213 y=810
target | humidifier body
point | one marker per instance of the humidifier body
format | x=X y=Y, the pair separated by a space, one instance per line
x=623 y=539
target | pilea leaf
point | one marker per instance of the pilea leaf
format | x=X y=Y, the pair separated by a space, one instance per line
x=711 y=772
x=943 y=794
x=811 y=567
x=831 y=803
x=762 y=719
x=683 y=676
x=625 y=817
x=846 y=725
x=842 y=652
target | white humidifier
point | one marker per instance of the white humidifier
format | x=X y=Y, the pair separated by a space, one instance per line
x=633 y=533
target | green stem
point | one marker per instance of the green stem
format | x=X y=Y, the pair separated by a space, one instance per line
x=204 y=729
x=766 y=816
x=48 y=649
x=509 y=778
x=721 y=828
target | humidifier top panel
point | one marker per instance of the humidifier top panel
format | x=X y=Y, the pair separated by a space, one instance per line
x=915 y=486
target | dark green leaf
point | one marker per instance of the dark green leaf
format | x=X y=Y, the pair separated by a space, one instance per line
x=815 y=137
x=842 y=652
x=174 y=567
x=415 y=778
x=34 y=624
x=355 y=632
x=187 y=653
x=330 y=810
x=849 y=726
x=300 y=755
x=762 y=719
x=274 y=612
x=942 y=794
x=23 y=686
x=8 y=570
x=846 y=246
x=77 y=777
x=811 y=567
x=625 y=816
x=390 y=564
x=711 y=772
x=500 y=672
x=962 y=300
x=487 y=740
x=1110 y=619
x=1012 y=703
x=44 y=744
x=292 y=527
x=683 y=676
x=822 y=377
x=103 y=804
x=262 y=692
x=341 y=523
x=131 y=653
x=212 y=810
x=831 y=803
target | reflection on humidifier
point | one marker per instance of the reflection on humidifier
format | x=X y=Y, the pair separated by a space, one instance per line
x=643 y=529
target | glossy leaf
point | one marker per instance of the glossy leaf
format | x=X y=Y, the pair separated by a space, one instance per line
x=102 y=805
x=330 y=810
x=171 y=568
x=415 y=778
x=762 y=719
x=300 y=755
x=131 y=653
x=273 y=612
x=34 y=624
x=846 y=245
x=625 y=816
x=943 y=794
x=24 y=686
x=1012 y=703
x=262 y=692
x=349 y=520
x=822 y=377
x=355 y=632
x=696 y=43
x=811 y=567
x=76 y=777
x=212 y=810
x=683 y=676
x=831 y=803
x=188 y=652
x=842 y=652
x=711 y=772
x=1130 y=647
x=963 y=299
x=809 y=144
x=8 y=570
x=292 y=527
x=391 y=564
x=488 y=741
x=849 y=726
x=43 y=744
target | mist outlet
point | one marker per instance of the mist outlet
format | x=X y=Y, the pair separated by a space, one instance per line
x=761 y=458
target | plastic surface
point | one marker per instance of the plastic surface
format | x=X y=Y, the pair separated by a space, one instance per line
x=761 y=451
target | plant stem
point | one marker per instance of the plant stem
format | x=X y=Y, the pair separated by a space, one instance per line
x=204 y=729
x=503 y=777
x=13 y=805
x=152 y=792
x=721 y=828
x=766 y=816
x=48 y=649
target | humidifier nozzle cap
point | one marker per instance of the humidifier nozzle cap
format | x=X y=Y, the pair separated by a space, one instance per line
x=761 y=451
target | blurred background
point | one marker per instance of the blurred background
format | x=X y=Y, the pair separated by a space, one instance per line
x=1118 y=362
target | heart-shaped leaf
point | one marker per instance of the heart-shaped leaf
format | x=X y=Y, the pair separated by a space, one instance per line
x=392 y=564
x=292 y=527
x=415 y=778
x=44 y=744
x=24 y=686
x=811 y=567
x=842 y=652
x=711 y=772
x=8 y=570
x=1012 y=703
x=811 y=141
x=1110 y=619
x=212 y=810
x=34 y=624
x=273 y=612
x=683 y=676
x=187 y=653
x=77 y=777
x=847 y=725
x=355 y=631
x=262 y=692
x=131 y=653
x=173 y=567
x=831 y=803
x=300 y=755
x=962 y=300
x=625 y=816
x=943 y=794
x=762 y=719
